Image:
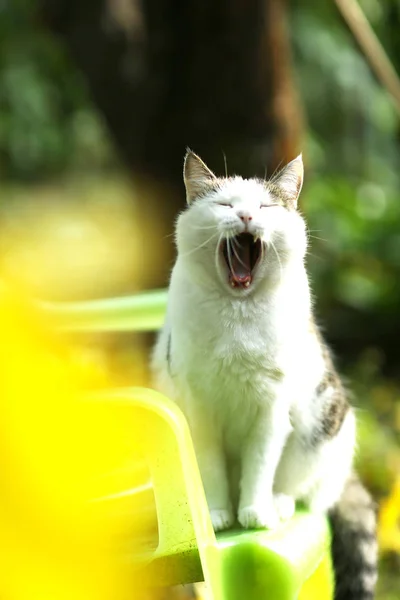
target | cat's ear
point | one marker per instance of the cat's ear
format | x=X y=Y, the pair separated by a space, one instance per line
x=197 y=176
x=290 y=180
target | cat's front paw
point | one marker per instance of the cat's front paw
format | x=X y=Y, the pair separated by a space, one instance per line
x=221 y=518
x=285 y=506
x=259 y=516
x=267 y=515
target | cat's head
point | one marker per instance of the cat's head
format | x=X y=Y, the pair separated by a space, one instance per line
x=238 y=231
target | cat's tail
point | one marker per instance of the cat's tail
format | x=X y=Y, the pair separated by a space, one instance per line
x=354 y=543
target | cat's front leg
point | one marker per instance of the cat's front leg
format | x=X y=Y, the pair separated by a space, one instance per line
x=211 y=460
x=258 y=508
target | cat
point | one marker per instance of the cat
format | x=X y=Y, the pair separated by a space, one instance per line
x=241 y=354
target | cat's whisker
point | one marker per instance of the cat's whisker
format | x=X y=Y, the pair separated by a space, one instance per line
x=228 y=247
x=315 y=256
x=277 y=256
x=226 y=166
x=218 y=247
x=236 y=254
x=202 y=226
x=276 y=171
x=234 y=240
x=315 y=237
x=200 y=245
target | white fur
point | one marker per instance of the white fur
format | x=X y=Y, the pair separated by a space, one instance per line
x=226 y=347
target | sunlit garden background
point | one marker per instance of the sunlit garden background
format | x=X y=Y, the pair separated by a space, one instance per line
x=84 y=214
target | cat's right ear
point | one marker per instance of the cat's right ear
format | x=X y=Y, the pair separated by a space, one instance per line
x=197 y=176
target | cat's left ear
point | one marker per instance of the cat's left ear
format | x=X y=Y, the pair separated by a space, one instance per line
x=290 y=180
x=197 y=177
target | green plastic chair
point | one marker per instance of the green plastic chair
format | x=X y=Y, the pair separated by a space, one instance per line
x=291 y=563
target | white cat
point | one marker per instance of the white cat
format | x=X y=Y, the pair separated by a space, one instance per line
x=241 y=355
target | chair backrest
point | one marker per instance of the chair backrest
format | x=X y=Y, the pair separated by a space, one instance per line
x=144 y=311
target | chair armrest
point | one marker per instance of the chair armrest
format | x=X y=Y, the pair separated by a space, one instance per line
x=162 y=435
x=235 y=564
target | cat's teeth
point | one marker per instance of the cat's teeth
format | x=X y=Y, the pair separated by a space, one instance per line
x=246 y=283
x=233 y=284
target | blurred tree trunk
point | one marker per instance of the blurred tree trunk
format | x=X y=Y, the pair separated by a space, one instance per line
x=167 y=74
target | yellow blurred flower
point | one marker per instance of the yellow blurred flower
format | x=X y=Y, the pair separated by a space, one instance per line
x=61 y=456
x=389 y=521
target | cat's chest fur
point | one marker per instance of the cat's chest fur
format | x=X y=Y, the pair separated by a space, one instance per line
x=233 y=353
x=234 y=359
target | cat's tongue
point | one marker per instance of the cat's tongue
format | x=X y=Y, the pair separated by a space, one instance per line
x=241 y=264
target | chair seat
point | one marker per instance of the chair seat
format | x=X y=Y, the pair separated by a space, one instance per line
x=246 y=563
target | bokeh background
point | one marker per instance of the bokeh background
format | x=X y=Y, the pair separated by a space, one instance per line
x=98 y=101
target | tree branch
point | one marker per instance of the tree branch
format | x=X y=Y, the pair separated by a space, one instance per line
x=370 y=47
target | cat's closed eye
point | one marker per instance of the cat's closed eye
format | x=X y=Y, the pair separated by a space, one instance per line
x=225 y=204
x=268 y=205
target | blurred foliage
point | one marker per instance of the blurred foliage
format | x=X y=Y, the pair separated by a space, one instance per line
x=351 y=194
x=355 y=249
x=353 y=122
x=47 y=123
x=48 y=126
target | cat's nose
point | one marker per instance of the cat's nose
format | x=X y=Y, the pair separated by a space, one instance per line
x=245 y=217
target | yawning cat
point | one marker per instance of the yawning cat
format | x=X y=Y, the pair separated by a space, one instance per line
x=242 y=356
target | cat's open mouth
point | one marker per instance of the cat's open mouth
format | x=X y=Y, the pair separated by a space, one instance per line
x=241 y=255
